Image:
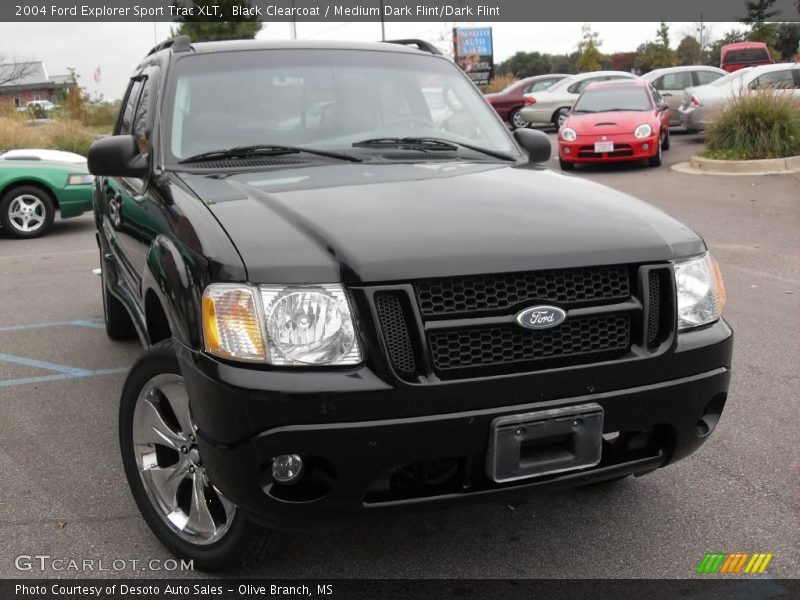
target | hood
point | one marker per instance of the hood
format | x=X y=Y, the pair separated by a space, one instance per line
x=608 y=122
x=394 y=222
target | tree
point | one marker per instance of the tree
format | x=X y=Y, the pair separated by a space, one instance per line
x=689 y=51
x=12 y=70
x=758 y=11
x=525 y=64
x=563 y=63
x=787 y=37
x=623 y=61
x=200 y=30
x=662 y=34
x=590 y=58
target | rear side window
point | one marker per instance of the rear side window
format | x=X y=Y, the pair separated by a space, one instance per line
x=706 y=77
x=674 y=81
x=781 y=80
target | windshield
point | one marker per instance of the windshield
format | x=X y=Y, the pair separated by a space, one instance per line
x=607 y=99
x=325 y=100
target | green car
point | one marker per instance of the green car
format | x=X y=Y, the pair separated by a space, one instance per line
x=31 y=191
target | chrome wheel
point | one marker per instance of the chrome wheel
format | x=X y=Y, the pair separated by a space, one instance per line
x=27 y=213
x=170 y=465
x=517 y=121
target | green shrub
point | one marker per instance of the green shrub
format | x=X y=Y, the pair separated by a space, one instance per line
x=765 y=124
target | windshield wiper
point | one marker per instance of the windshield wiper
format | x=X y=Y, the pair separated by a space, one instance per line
x=428 y=143
x=625 y=110
x=265 y=150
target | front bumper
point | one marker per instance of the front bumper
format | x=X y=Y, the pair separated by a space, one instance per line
x=371 y=444
x=74 y=200
x=626 y=148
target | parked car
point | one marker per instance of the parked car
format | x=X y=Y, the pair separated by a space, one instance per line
x=672 y=81
x=701 y=104
x=42 y=154
x=552 y=105
x=510 y=101
x=744 y=54
x=31 y=191
x=44 y=105
x=613 y=122
x=373 y=312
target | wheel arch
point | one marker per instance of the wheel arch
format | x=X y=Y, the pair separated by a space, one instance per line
x=171 y=306
x=28 y=181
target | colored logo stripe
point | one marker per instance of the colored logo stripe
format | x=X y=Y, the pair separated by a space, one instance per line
x=721 y=562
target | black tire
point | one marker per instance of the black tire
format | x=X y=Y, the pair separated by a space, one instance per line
x=42 y=208
x=243 y=542
x=561 y=112
x=119 y=325
x=566 y=165
x=666 y=143
x=655 y=160
x=516 y=121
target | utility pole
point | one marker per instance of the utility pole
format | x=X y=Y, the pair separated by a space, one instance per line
x=383 y=28
x=294 y=23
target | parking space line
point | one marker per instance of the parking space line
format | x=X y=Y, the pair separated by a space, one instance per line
x=78 y=323
x=41 y=364
x=62 y=376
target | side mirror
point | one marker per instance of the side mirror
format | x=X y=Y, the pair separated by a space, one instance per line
x=535 y=143
x=117 y=156
x=662 y=106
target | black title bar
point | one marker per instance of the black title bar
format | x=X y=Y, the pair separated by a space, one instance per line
x=390 y=10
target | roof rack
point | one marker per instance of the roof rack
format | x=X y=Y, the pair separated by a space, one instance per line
x=418 y=44
x=179 y=43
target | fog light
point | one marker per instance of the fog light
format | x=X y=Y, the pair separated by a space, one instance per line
x=567 y=150
x=287 y=468
x=645 y=146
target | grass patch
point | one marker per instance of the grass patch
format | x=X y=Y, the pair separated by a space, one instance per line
x=765 y=124
x=68 y=135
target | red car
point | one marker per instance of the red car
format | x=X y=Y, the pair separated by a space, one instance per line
x=509 y=102
x=620 y=120
x=744 y=54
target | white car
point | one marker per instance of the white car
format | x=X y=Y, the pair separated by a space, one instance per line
x=701 y=104
x=45 y=105
x=43 y=154
x=553 y=104
x=671 y=81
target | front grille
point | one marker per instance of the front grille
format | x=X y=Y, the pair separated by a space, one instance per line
x=654 y=302
x=620 y=150
x=395 y=332
x=576 y=340
x=564 y=287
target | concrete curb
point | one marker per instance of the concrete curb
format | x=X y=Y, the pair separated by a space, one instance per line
x=772 y=166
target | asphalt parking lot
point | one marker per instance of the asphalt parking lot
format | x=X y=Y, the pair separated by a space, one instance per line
x=64 y=492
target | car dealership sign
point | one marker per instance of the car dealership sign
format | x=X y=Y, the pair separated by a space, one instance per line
x=473 y=52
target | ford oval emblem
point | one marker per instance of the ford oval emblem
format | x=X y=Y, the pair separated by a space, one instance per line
x=541 y=317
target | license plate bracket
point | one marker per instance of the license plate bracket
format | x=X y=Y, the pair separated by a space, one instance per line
x=545 y=442
x=601 y=147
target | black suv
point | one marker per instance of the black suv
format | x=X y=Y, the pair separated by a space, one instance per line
x=359 y=291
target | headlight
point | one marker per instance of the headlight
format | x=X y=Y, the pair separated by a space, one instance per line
x=642 y=131
x=80 y=179
x=280 y=325
x=310 y=325
x=701 y=292
x=568 y=134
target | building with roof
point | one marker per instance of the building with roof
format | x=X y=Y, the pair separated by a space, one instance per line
x=23 y=82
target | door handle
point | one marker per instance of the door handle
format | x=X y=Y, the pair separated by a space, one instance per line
x=666 y=94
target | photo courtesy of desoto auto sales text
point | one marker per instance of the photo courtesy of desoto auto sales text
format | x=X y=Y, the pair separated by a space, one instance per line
x=400 y=299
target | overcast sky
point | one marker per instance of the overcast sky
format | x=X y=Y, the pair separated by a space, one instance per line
x=116 y=48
